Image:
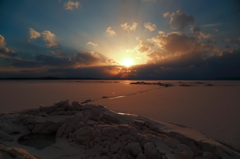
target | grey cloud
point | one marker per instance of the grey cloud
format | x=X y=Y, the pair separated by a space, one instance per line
x=180 y=20
x=78 y=60
x=6 y=51
x=195 y=29
x=175 y=43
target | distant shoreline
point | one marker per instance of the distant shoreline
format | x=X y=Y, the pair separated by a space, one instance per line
x=88 y=78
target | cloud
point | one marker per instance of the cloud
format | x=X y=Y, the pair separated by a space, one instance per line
x=50 y=38
x=195 y=29
x=161 y=32
x=179 y=20
x=2 y=41
x=204 y=35
x=175 y=43
x=227 y=40
x=144 y=46
x=4 y=50
x=91 y=43
x=212 y=41
x=110 y=31
x=55 y=51
x=127 y=27
x=150 y=26
x=166 y=14
x=216 y=30
x=155 y=56
x=33 y=33
x=70 y=5
x=112 y=62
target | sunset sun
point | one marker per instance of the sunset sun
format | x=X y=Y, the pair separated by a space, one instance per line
x=128 y=62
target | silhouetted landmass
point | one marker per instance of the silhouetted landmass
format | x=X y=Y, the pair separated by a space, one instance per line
x=51 y=78
x=228 y=78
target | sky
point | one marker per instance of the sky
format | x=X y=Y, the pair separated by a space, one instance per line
x=137 y=39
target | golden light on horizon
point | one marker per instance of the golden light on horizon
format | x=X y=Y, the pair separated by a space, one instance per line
x=128 y=62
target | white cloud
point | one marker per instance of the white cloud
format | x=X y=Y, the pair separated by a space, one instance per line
x=161 y=32
x=50 y=38
x=127 y=27
x=33 y=33
x=204 y=35
x=166 y=14
x=150 y=26
x=4 y=50
x=93 y=44
x=144 y=46
x=110 y=31
x=70 y=5
x=2 y=41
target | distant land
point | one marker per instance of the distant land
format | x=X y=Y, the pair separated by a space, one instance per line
x=90 y=78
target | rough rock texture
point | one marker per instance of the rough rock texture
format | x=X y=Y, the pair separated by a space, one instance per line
x=108 y=135
x=14 y=153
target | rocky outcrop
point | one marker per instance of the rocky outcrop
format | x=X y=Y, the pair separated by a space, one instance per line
x=107 y=134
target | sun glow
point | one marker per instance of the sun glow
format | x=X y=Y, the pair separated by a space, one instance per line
x=128 y=62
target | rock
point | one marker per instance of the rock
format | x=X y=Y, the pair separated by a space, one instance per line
x=115 y=147
x=37 y=128
x=91 y=122
x=150 y=150
x=141 y=156
x=52 y=128
x=170 y=142
x=109 y=117
x=199 y=157
x=5 y=137
x=75 y=104
x=104 y=157
x=131 y=137
x=208 y=155
x=183 y=155
x=61 y=130
x=18 y=152
x=134 y=148
x=62 y=103
x=84 y=133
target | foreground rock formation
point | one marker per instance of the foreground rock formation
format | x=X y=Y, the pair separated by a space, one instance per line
x=103 y=134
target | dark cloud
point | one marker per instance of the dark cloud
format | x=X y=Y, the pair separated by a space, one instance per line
x=180 y=20
x=22 y=63
x=195 y=29
x=78 y=60
x=192 y=66
x=6 y=51
x=187 y=66
x=177 y=43
x=88 y=58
